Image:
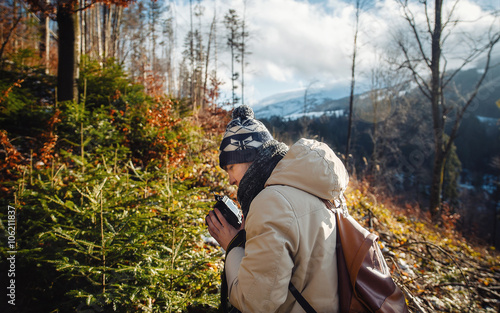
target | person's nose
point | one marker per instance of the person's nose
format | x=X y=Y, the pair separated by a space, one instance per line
x=232 y=180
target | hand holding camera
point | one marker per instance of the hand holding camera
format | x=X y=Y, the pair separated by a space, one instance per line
x=228 y=211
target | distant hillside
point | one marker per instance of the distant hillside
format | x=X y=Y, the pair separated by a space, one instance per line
x=288 y=104
x=325 y=100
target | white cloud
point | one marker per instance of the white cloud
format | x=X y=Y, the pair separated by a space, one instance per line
x=303 y=39
x=294 y=42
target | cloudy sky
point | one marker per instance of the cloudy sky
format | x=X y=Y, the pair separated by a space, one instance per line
x=297 y=43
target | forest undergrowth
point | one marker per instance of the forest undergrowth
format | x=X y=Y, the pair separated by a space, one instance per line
x=110 y=195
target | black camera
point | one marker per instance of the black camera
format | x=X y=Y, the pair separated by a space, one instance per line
x=229 y=210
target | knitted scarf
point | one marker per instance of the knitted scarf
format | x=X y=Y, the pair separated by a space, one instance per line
x=269 y=154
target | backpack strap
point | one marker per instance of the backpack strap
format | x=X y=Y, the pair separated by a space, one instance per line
x=360 y=256
x=300 y=299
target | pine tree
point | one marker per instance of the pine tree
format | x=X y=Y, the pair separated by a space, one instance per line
x=233 y=26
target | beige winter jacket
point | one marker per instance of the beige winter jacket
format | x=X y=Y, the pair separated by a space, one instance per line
x=290 y=235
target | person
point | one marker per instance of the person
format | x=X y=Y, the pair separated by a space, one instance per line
x=289 y=234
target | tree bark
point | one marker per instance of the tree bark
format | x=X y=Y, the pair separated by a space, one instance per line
x=67 y=68
x=117 y=18
x=98 y=33
x=353 y=81
x=243 y=52
x=83 y=31
x=437 y=115
x=232 y=24
x=106 y=29
x=207 y=60
x=45 y=40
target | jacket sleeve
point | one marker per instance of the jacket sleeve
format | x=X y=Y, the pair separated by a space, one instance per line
x=260 y=282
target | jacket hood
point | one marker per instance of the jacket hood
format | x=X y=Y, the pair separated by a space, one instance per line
x=313 y=167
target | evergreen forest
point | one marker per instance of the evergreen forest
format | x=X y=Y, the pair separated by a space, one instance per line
x=109 y=165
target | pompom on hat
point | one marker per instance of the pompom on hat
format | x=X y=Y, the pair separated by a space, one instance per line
x=243 y=137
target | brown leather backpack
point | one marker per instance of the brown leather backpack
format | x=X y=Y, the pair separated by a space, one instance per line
x=365 y=282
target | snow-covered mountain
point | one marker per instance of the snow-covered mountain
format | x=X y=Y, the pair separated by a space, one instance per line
x=297 y=103
x=314 y=102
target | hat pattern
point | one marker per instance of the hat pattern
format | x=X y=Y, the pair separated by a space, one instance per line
x=243 y=136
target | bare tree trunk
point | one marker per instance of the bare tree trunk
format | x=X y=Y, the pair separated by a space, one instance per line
x=98 y=34
x=45 y=39
x=353 y=81
x=375 y=98
x=95 y=33
x=88 y=31
x=437 y=116
x=117 y=18
x=191 y=56
x=216 y=48
x=106 y=30
x=19 y=17
x=77 y=49
x=243 y=52
x=170 y=57
x=83 y=30
x=233 y=41
x=152 y=32
x=67 y=69
x=207 y=60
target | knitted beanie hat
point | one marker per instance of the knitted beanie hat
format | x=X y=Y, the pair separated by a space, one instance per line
x=243 y=136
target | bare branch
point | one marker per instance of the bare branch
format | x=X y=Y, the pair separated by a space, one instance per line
x=421 y=82
x=449 y=19
x=408 y=16
x=427 y=18
x=494 y=40
x=9 y=33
